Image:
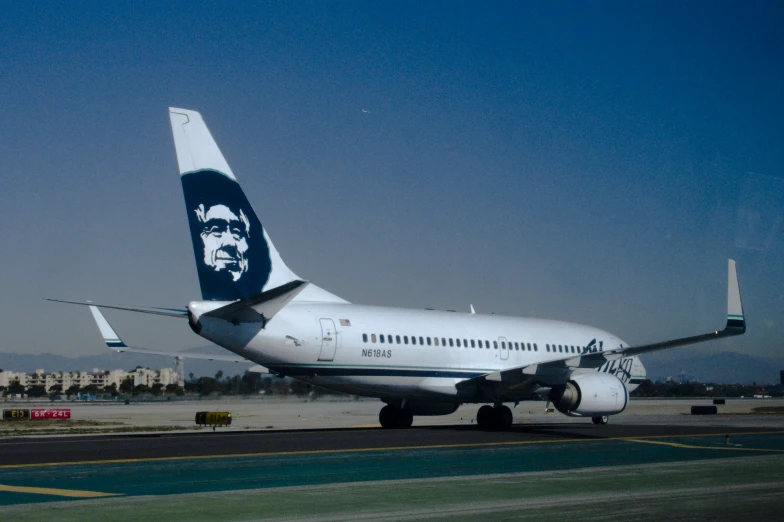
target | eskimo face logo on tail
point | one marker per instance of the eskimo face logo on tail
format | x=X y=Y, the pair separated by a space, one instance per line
x=225 y=238
x=232 y=255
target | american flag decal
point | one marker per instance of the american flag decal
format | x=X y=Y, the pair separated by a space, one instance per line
x=345 y=322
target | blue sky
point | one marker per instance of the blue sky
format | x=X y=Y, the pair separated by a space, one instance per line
x=592 y=162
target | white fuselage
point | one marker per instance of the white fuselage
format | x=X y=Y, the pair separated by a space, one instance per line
x=406 y=353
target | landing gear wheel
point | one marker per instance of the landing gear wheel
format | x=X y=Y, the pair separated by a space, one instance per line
x=603 y=419
x=405 y=419
x=387 y=417
x=395 y=418
x=504 y=418
x=485 y=417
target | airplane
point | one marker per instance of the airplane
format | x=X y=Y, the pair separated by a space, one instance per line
x=417 y=362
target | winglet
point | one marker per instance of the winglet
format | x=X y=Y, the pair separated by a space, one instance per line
x=110 y=337
x=735 y=319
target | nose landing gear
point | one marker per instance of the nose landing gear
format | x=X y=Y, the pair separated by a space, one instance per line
x=392 y=417
x=494 y=418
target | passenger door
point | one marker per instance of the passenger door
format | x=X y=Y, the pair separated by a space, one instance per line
x=329 y=340
x=503 y=346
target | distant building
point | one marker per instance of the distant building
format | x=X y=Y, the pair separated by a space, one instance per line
x=781 y=377
x=98 y=378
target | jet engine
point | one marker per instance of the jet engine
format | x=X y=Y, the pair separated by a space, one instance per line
x=590 y=395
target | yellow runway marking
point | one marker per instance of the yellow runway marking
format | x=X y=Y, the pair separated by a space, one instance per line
x=693 y=446
x=285 y=453
x=644 y=438
x=73 y=493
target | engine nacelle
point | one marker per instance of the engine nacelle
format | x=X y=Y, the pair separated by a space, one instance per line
x=590 y=395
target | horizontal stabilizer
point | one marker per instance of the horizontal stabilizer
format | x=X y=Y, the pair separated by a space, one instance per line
x=261 y=307
x=168 y=312
x=114 y=342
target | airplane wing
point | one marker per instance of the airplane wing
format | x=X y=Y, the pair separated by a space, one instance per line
x=114 y=342
x=168 y=312
x=556 y=371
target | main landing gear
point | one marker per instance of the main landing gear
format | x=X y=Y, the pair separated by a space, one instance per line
x=391 y=417
x=603 y=419
x=494 y=418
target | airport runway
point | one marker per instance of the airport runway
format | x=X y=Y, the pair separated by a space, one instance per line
x=83 y=449
x=327 y=461
x=439 y=472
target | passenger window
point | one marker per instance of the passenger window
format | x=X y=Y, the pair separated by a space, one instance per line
x=443 y=341
x=405 y=339
x=428 y=341
x=397 y=339
x=487 y=344
x=451 y=343
x=381 y=338
x=536 y=348
x=495 y=345
x=472 y=344
x=364 y=338
x=373 y=337
x=548 y=347
x=503 y=345
x=413 y=340
x=457 y=342
x=517 y=345
x=435 y=340
x=421 y=341
x=389 y=339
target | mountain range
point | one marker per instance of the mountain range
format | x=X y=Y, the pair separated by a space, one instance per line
x=719 y=368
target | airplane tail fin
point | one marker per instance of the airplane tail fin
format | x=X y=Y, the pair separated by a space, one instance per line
x=235 y=257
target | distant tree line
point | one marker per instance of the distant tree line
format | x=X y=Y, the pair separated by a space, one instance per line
x=246 y=384
x=251 y=383
x=257 y=384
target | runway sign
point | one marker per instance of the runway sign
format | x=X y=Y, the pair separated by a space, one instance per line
x=50 y=413
x=12 y=415
x=213 y=418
